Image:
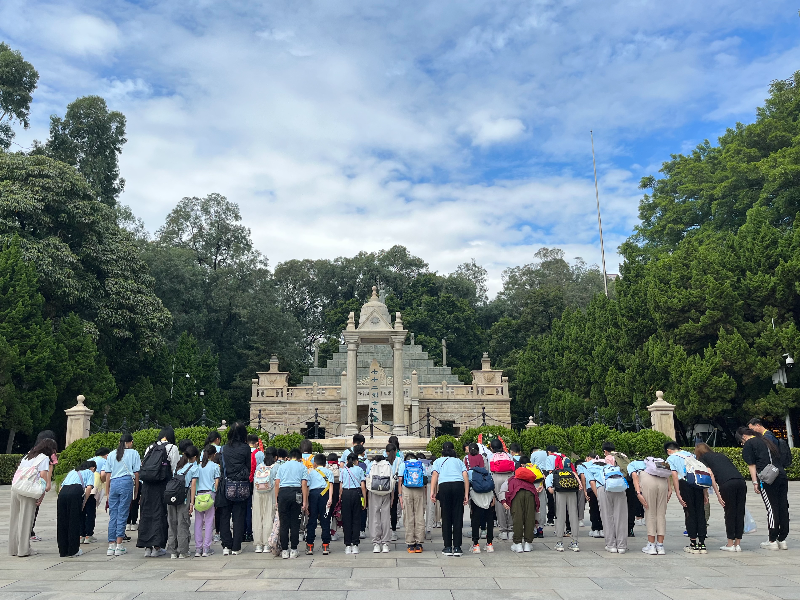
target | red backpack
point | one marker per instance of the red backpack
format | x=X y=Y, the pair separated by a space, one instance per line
x=502 y=463
x=562 y=462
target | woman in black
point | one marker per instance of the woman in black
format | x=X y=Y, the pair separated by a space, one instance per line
x=758 y=452
x=153 y=525
x=235 y=465
x=731 y=491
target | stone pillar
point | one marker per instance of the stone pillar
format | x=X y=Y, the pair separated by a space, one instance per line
x=342 y=404
x=78 y=421
x=662 y=416
x=415 y=426
x=398 y=421
x=351 y=426
x=530 y=424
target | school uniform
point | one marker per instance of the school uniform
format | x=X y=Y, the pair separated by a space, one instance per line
x=89 y=512
x=614 y=512
x=350 y=479
x=480 y=514
x=69 y=511
x=566 y=510
x=655 y=491
x=593 y=472
x=694 y=511
x=549 y=467
x=178 y=518
x=290 y=475
x=413 y=509
x=320 y=486
x=395 y=510
x=581 y=470
x=505 y=522
x=539 y=458
x=263 y=507
x=379 y=508
x=451 y=496
x=207 y=480
x=121 y=475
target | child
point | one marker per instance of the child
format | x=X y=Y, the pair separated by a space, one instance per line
x=566 y=509
x=336 y=514
x=450 y=484
x=89 y=516
x=121 y=487
x=207 y=483
x=179 y=516
x=481 y=505
x=380 y=502
x=520 y=496
x=433 y=510
x=291 y=480
x=501 y=466
x=75 y=492
x=263 y=499
x=516 y=450
x=353 y=492
x=411 y=492
x=319 y=504
x=252 y=441
x=613 y=507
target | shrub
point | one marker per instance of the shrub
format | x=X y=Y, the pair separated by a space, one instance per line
x=435 y=445
x=8 y=466
x=489 y=432
x=543 y=436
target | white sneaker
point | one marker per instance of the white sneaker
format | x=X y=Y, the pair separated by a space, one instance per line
x=783 y=545
x=738 y=548
x=128 y=527
x=660 y=549
x=292 y=553
x=134 y=526
x=355 y=549
x=593 y=533
x=348 y=550
x=489 y=548
x=483 y=534
x=580 y=523
x=393 y=537
x=476 y=549
x=517 y=548
x=259 y=549
x=386 y=548
x=559 y=546
x=111 y=548
x=197 y=554
x=334 y=537
x=504 y=535
x=770 y=545
x=362 y=535
x=173 y=556
x=526 y=547
x=225 y=552
x=728 y=548
x=159 y=552
x=650 y=549
x=148 y=552
x=284 y=554
x=235 y=552
x=120 y=550
x=78 y=553
x=601 y=533
x=610 y=549
x=621 y=550
x=376 y=548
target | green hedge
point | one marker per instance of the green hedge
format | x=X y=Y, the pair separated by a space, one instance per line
x=435 y=445
x=8 y=466
x=84 y=449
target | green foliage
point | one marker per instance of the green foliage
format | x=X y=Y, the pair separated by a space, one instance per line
x=18 y=79
x=490 y=432
x=8 y=466
x=435 y=445
x=84 y=449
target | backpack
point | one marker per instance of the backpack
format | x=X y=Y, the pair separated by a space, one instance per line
x=562 y=462
x=657 y=467
x=622 y=462
x=564 y=480
x=155 y=466
x=785 y=453
x=525 y=474
x=482 y=481
x=309 y=462
x=175 y=492
x=261 y=478
x=502 y=463
x=615 y=481
x=413 y=474
x=380 y=481
x=697 y=473
x=537 y=472
x=274 y=539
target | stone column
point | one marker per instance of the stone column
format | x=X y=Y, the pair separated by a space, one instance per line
x=415 y=424
x=78 y=421
x=662 y=416
x=351 y=426
x=342 y=404
x=398 y=420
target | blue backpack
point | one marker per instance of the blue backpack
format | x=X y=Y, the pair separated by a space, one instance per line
x=482 y=481
x=615 y=480
x=413 y=474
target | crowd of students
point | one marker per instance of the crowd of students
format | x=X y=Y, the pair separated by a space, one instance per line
x=245 y=492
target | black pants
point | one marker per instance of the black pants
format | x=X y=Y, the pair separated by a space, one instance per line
x=734 y=494
x=481 y=518
x=317 y=505
x=594 y=512
x=695 y=511
x=393 y=511
x=351 y=516
x=451 y=499
x=776 y=501
x=68 y=527
x=133 y=515
x=89 y=515
x=633 y=503
x=289 y=515
x=551 y=508
x=236 y=510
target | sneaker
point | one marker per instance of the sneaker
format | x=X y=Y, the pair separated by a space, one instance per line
x=134 y=526
x=128 y=527
x=448 y=551
x=702 y=549
x=489 y=548
x=783 y=545
x=728 y=548
x=206 y=553
x=691 y=549
x=650 y=549
x=126 y=538
x=362 y=535
x=770 y=546
x=259 y=549
x=418 y=549
x=738 y=548
x=393 y=537
x=686 y=533
x=293 y=553
x=197 y=554
x=309 y=549
x=551 y=524
x=77 y=554
x=90 y=539
x=592 y=533
x=457 y=551
x=334 y=537
x=111 y=548
x=216 y=537
x=621 y=550
x=355 y=549
x=601 y=533
x=235 y=552
x=376 y=548
x=580 y=523
x=119 y=550
x=611 y=549
x=574 y=546
x=527 y=547
x=518 y=547
x=385 y=548
x=567 y=533
x=539 y=534
x=82 y=540
x=159 y=552
x=148 y=552
x=412 y=548
x=476 y=548
x=35 y=538
x=503 y=535
x=173 y=556
x=284 y=554
x=559 y=546
x=660 y=549
x=631 y=534
x=326 y=549
x=348 y=550
x=225 y=552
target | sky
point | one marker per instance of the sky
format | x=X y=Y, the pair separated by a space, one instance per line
x=459 y=129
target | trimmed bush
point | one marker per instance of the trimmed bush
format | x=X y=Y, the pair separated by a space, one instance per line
x=8 y=466
x=490 y=432
x=435 y=445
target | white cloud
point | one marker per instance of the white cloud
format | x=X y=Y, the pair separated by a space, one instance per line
x=486 y=131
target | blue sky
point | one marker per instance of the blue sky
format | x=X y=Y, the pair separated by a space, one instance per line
x=459 y=129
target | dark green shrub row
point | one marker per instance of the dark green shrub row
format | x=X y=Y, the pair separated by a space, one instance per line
x=8 y=465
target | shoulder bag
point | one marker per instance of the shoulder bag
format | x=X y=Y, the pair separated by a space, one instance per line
x=769 y=473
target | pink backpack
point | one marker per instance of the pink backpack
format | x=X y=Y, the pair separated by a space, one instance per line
x=502 y=463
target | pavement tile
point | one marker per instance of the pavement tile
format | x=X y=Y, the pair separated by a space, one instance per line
x=94 y=596
x=632 y=594
x=546 y=583
x=743 y=581
x=119 y=575
x=384 y=583
x=718 y=594
x=259 y=595
x=32 y=585
x=215 y=574
x=441 y=583
x=532 y=594
x=165 y=586
x=305 y=573
x=404 y=595
x=422 y=572
x=16 y=595
x=191 y=596
x=349 y=562
x=619 y=583
x=246 y=585
x=452 y=572
x=785 y=593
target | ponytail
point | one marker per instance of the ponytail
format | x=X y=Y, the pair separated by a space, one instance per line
x=352 y=460
x=124 y=439
x=208 y=452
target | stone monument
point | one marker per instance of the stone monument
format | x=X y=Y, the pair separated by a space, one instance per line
x=78 y=421
x=662 y=416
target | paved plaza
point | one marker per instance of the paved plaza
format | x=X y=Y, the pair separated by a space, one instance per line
x=542 y=574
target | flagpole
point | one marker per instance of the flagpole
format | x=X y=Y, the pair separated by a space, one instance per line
x=599 y=221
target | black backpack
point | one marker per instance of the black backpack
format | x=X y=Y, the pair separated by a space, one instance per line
x=786 y=453
x=175 y=492
x=155 y=466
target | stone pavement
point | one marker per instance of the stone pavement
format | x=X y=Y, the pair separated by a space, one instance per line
x=540 y=575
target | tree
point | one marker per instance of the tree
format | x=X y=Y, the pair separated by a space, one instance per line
x=18 y=79
x=90 y=138
x=475 y=273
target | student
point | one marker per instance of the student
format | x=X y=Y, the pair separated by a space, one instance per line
x=208 y=475
x=521 y=497
x=593 y=471
x=291 y=482
x=336 y=514
x=75 y=492
x=264 y=500
x=353 y=493
x=501 y=474
x=179 y=516
x=364 y=463
x=731 y=491
x=213 y=438
x=320 y=498
x=394 y=511
x=23 y=509
x=235 y=461
x=539 y=459
x=412 y=503
x=380 y=503
x=433 y=509
x=653 y=493
x=450 y=484
x=515 y=450
x=580 y=471
x=758 y=452
x=252 y=441
x=154 y=527
x=89 y=512
x=691 y=498
x=481 y=506
x=47 y=434
x=358 y=440
x=566 y=510
x=613 y=506
x=122 y=483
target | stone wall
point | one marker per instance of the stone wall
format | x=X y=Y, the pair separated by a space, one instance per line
x=465 y=414
x=276 y=417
